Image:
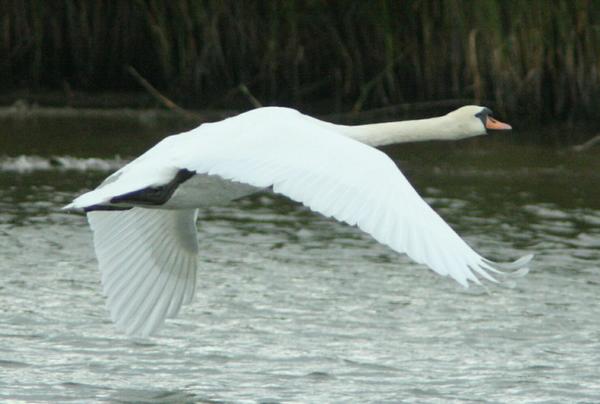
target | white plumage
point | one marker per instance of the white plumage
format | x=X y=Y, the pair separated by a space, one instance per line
x=147 y=254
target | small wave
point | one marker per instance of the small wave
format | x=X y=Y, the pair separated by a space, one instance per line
x=24 y=164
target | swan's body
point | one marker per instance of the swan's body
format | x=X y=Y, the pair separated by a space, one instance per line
x=143 y=216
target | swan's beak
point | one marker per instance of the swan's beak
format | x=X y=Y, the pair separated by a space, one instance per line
x=491 y=123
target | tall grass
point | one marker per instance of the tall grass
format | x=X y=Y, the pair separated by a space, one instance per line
x=538 y=56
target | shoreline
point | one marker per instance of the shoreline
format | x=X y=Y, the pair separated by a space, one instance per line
x=140 y=106
x=28 y=112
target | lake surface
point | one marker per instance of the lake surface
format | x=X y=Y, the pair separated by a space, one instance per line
x=293 y=307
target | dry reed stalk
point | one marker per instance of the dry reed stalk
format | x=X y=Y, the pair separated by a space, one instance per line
x=522 y=54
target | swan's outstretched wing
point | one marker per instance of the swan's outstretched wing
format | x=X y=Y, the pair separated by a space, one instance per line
x=147 y=259
x=341 y=178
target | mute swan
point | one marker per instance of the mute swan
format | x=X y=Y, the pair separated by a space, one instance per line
x=143 y=216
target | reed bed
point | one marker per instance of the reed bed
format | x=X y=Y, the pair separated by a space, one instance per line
x=535 y=56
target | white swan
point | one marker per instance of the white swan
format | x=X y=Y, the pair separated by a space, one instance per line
x=143 y=216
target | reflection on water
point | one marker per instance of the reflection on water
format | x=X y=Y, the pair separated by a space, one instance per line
x=294 y=307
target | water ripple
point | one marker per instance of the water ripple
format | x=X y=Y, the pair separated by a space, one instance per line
x=292 y=307
x=29 y=163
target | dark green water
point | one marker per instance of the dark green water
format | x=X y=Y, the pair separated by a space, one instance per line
x=293 y=307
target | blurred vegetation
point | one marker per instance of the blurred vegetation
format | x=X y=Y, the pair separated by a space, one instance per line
x=535 y=56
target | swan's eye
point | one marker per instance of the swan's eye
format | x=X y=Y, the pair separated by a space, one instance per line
x=484 y=114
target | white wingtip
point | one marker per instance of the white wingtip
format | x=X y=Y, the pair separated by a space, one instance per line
x=517 y=268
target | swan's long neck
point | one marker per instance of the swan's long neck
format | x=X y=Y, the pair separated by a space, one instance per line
x=381 y=134
x=418 y=130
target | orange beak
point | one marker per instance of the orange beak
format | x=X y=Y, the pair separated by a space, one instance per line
x=491 y=123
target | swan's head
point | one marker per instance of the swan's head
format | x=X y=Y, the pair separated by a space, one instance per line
x=474 y=120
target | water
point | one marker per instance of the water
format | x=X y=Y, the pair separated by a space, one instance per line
x=292 y=307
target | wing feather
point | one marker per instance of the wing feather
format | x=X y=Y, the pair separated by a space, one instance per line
x=147 y=259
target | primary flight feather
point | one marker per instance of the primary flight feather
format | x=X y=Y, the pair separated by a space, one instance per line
x=143 y=216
